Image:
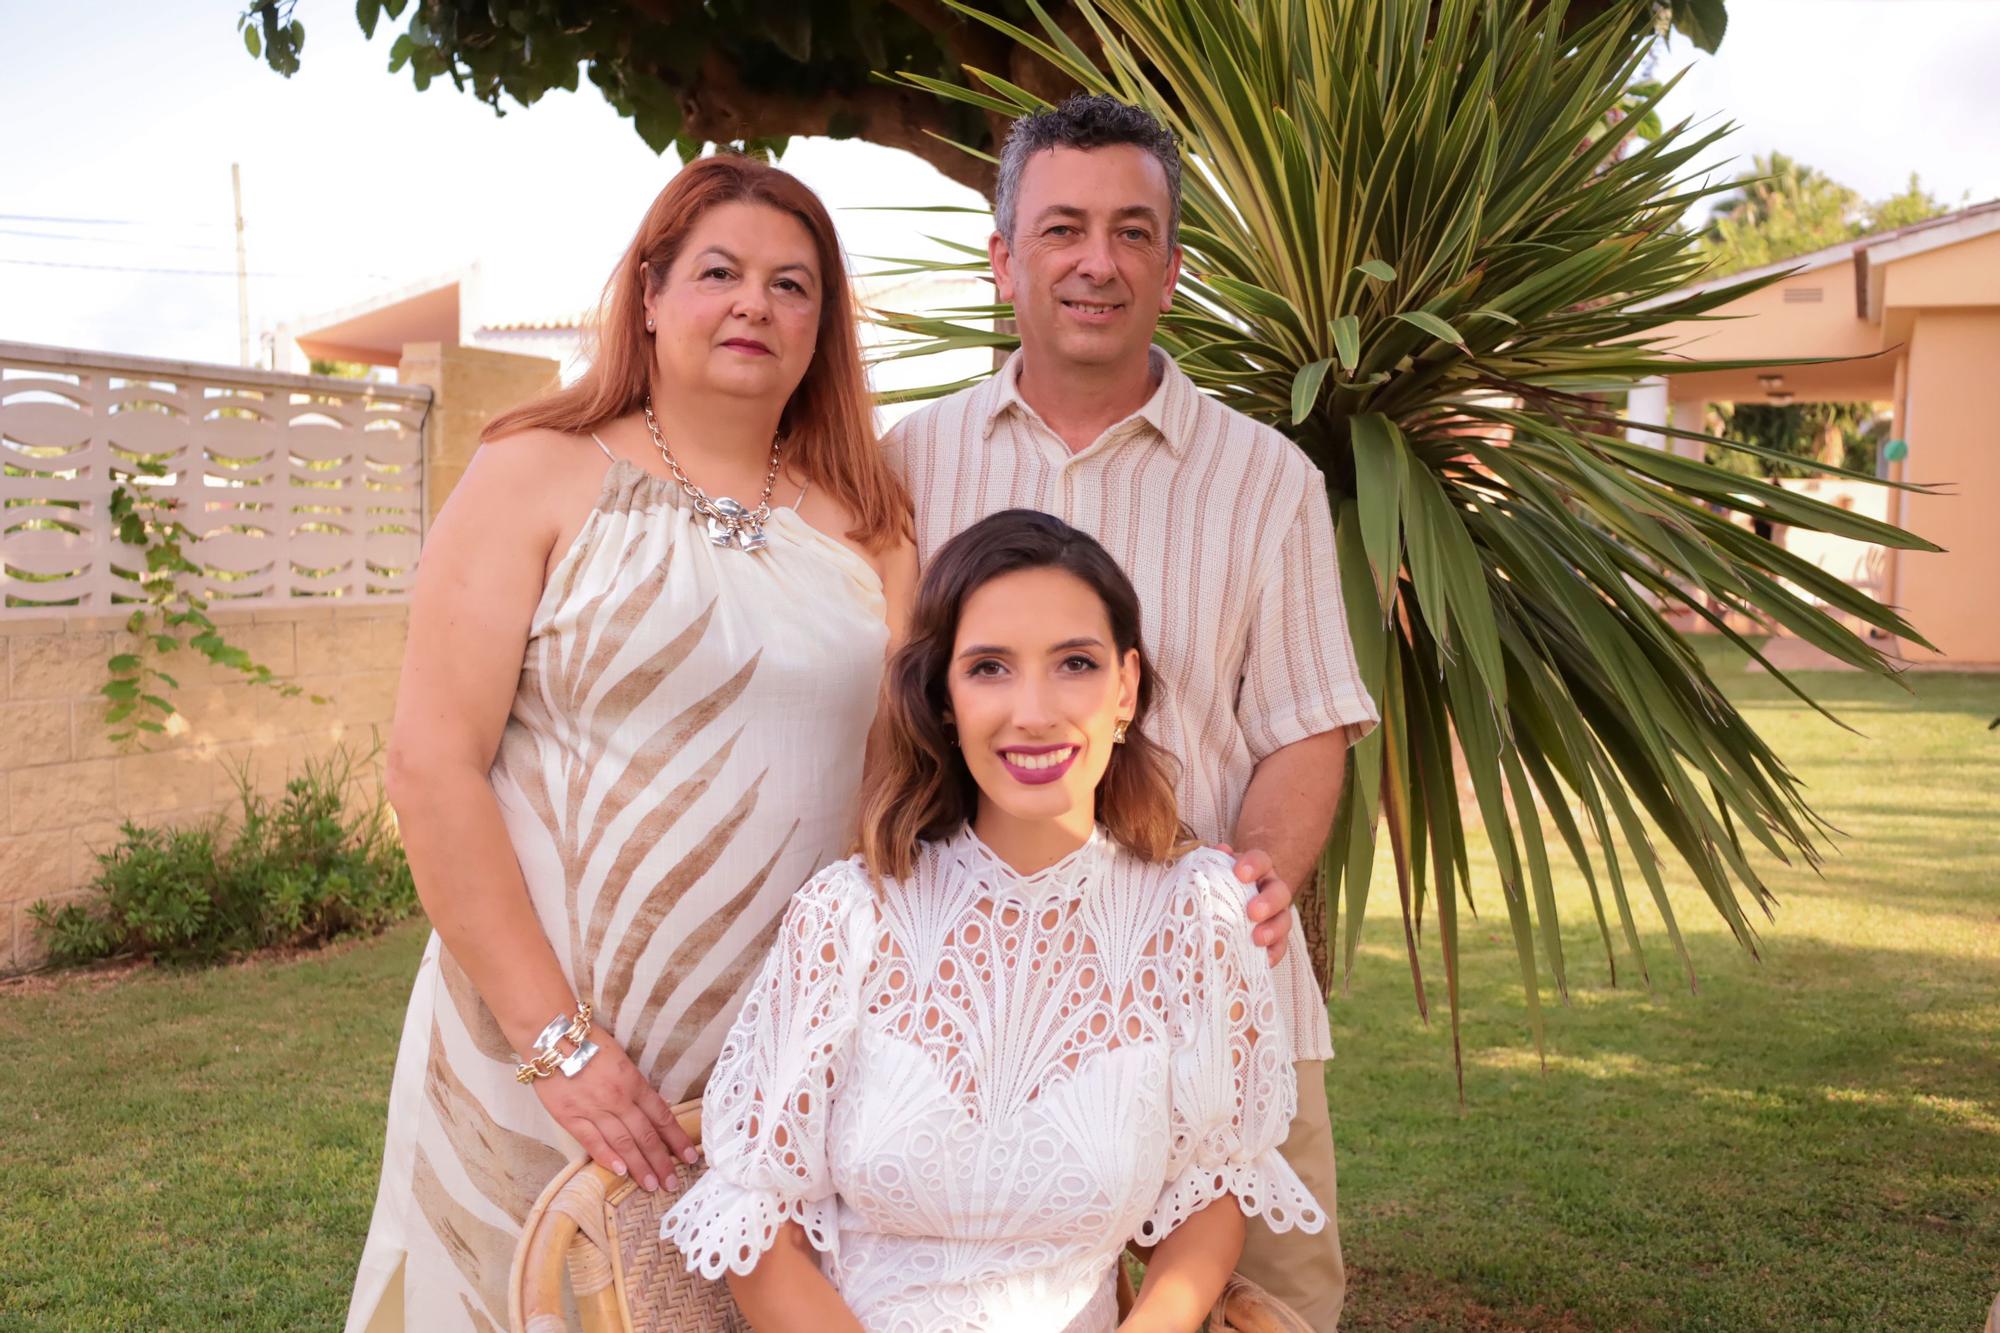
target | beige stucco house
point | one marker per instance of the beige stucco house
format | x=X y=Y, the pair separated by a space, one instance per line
x=1914 y=316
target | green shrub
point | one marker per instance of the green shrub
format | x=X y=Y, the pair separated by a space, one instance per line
x=297 y=872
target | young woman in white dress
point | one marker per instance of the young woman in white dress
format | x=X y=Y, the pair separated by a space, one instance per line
x=1026 y=1024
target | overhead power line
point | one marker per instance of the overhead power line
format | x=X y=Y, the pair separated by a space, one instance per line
x=48 y=218
x=58 y=236
x=73 y=222
x=109 y=240
x=181 y=272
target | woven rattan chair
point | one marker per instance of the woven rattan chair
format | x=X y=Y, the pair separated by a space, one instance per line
x=604 y=1232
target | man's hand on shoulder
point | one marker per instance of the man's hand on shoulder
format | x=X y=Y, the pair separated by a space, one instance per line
x=1271 y=910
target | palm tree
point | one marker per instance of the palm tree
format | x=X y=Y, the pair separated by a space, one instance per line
x=1781 y=208
x=1410 y=247
x=1779 y=183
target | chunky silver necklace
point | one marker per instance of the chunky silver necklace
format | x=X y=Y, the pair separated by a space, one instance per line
x=729 y=523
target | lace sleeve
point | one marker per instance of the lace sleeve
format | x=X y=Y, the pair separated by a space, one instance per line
x=765 y=1111
x=1234 y=1090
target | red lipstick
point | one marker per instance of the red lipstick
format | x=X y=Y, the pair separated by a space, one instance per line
x=1036 y=777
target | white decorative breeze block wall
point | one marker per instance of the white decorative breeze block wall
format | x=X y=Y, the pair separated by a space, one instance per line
x=307 y=495
x=297 y=486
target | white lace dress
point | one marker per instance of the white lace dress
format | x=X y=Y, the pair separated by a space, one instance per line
x=973 y=1088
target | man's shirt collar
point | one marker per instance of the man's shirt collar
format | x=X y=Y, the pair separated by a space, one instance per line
x=1164 y=412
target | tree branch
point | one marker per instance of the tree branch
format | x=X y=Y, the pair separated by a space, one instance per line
x=1038 y=76
x=967 y=44
x=720 y=107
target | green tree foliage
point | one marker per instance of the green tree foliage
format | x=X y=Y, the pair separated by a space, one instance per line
x=1406 y=250
x=1788 y=438
x=1911 y=204
x=1784 y=208
x=754 y=72
x=1781 y=210
x=342 y=370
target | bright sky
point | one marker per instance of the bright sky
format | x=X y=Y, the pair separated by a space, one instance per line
x=1866 y=90
x=120 y=136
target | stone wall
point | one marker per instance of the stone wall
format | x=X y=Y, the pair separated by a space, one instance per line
x=470 y=386
x=65 y=785
x=355 y=463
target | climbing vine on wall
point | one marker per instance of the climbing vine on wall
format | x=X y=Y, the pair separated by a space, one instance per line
x=169 y=616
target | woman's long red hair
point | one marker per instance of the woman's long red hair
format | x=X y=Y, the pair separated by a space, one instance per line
x=829 y=422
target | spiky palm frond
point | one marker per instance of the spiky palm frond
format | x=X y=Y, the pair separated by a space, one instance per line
x=1410 y=247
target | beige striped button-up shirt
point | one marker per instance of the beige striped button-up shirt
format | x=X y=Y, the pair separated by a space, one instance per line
x=1222 y=525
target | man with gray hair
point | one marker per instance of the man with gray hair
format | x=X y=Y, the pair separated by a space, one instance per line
x=1221 y=523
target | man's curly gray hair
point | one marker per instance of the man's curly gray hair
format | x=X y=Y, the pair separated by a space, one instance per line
x=1086 y=120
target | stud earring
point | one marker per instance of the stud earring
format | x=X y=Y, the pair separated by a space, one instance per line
x=1118 y=732
x=649 y=326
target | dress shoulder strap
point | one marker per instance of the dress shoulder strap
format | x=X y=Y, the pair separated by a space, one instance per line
x=802 y=495
x=605 y=447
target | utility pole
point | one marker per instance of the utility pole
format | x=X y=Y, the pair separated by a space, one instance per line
x=242 y=271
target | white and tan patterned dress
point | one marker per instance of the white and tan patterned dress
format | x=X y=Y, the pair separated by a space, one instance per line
x=684 y=751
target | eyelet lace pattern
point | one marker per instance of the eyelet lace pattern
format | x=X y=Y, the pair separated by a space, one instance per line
x=972 y=1088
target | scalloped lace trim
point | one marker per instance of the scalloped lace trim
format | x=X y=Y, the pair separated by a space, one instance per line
x=1265 y=1187
x=721 y=1227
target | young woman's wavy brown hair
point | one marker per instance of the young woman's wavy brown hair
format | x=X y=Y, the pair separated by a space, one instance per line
x=829 y=422
x=918 y=786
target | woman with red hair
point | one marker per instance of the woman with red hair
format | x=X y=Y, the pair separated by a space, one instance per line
x=645 y=646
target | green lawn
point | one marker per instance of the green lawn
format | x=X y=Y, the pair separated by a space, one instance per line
x=1812 y=1141
x=197 y=1150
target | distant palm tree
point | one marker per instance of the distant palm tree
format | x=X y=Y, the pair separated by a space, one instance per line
x=1777 y=185
x=1783 y=208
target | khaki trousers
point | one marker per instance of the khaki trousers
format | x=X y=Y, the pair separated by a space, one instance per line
x=1304 y=1271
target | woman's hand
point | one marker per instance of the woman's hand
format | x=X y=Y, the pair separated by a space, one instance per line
x=621 y=1121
